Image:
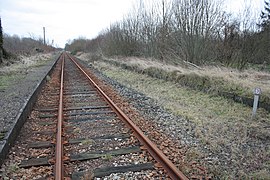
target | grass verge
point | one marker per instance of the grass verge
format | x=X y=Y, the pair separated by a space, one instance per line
x=233 y=140
x=8 y=79
x=207 y=83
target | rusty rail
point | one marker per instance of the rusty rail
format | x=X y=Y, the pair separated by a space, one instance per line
x=59 y=142
x=171 y=169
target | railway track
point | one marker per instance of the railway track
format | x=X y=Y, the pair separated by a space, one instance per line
x=76 y=131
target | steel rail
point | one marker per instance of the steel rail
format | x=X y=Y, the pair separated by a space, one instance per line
x=59 y=142
x=152 y=148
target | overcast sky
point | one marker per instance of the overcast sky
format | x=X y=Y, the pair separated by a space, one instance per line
x=68 y=19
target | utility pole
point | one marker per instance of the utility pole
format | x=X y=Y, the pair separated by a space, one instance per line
x=44 y=41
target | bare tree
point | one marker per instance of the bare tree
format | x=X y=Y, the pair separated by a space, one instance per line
x=186 y=31
x=163 y=27
x=196 y=22
x=25 y=45
x=148 y=30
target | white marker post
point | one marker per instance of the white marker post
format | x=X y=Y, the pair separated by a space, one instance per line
x=257 y=92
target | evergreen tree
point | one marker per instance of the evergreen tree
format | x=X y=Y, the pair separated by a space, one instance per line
x=1 y=43
x=264 y=35
x=265 y=16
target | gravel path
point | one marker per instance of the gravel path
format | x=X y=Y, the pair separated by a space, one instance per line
x=25 y=76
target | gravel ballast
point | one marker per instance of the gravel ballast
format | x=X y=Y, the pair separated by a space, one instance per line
x=33 y=131
x=153 y=111
x=163 y=122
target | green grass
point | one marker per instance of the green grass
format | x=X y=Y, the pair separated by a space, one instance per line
x=7 y=80
x=13 y=167
x=87 y=142
x=220 y=123
x=107 y=157
x=17 y=71
x=40 y=62
x=2 y=135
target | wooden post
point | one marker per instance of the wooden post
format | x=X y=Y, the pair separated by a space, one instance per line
x=44 y=41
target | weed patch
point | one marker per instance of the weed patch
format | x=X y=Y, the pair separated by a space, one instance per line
x=107 y=157
x=2 y=135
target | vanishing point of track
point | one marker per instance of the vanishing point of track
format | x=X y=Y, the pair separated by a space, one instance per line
x=86 y=116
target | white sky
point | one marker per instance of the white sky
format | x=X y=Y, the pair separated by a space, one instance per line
x=68 y=19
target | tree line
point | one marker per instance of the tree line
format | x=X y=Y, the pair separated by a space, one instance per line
x=11 y=46
x=24 y=45
x=189 y=31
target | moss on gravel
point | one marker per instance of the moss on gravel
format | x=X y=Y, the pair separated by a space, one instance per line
x=8 y=79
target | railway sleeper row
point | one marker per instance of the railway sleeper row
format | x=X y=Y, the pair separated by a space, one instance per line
x=96 y=142
x=82 y=105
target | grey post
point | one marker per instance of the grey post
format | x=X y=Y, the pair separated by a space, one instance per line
x=257 y=92
x=44 y=40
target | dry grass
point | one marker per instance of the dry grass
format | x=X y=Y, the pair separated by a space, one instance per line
x=247 y=78
x=225 y=82
x=238 y=147
x=25 y=63
x=16 y=71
